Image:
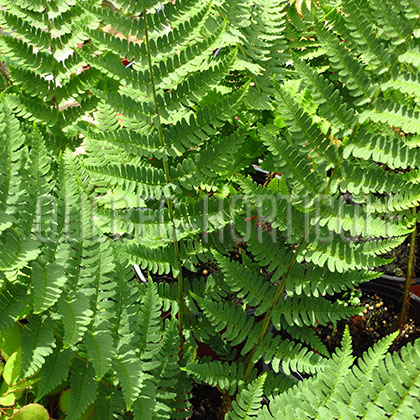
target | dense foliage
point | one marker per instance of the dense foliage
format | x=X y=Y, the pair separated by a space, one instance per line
x=128 y=133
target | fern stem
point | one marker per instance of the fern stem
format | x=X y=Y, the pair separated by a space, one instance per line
x=4 y=72
x=402 y=319
x=168 y=180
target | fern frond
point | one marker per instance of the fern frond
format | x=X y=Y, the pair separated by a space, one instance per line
x=393 y=114
x=38 y=342
x=319 y=389
x=301 y=311
x=357 y=21
x=225 y=376
x=100 y=347
x=54 y=371
x=405 y=83
x=150 y=325
x=339 y=217
x=390 y=150
x=341 y=391
x=350 y=71
x=83 y=389
x=305 y=133
x=249 y=401
x=331 y=103
x=339 y=256
x=290 y=159
x=286 y=355
x=13 y=303
x=47 y=284
x=254 y=289
x=75 y=317
x=308 y=336
x=130 y=376
x=232 y=322
x=145 y=181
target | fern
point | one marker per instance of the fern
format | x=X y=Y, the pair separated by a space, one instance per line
x=248 y=401
x=40 y=48
x=54 y=372
x=339 y=390
x=37 y=343
x=161 y=179
x=83 y=389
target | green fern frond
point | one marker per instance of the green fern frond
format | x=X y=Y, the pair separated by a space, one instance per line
x=357 y=22
x=100 y=348
x=319 y=390
x=249 y=401
x=38 y=342
x=339 y=256
x=301 y=311
x=344 y=391
x=130 y=376
x=287 y=356
x=83 y=389
x=221 y=374
x=290 y=159
x=150 y=325
x=305 y=133
x=331 y=103
x=393 y=114
x=308 y=336
x=75 y=317
x=253 y=289
x=349 y=69
x=47 y=283
x=390 y=150
x=13 y=302
x=54 y=371
x=232 y=322
x=405 y=83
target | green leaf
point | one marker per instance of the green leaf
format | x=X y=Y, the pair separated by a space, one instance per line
x=54 y=372
x=12 y=368
x=129 y=374
x=11 y=306
x=249 y=401
x=10 y=340
x=100 y=347
x=31 y=412
x=75 y=316
x=47 y=284
x=83 y=389
x=37 y=343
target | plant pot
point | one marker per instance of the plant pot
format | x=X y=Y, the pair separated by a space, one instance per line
x=393 y=290
x=398 y=282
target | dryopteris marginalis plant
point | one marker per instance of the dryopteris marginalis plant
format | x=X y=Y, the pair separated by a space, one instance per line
x=104 y=328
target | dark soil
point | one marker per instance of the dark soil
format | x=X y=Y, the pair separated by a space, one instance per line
x=206 y=402
x=376 y=322
x=398 y=267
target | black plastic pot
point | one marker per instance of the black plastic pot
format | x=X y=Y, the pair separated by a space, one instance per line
x=393 y=292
